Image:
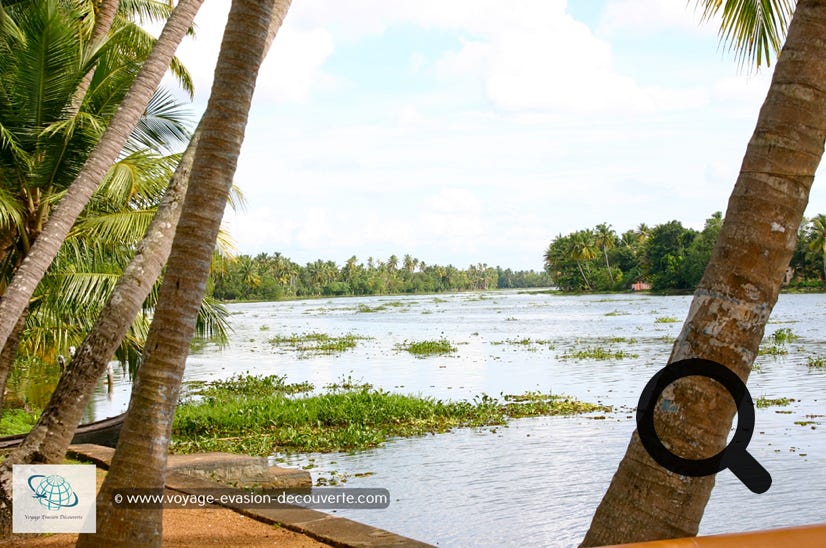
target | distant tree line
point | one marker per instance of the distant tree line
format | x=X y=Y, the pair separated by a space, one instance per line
x=668 y=256
x=273 y=276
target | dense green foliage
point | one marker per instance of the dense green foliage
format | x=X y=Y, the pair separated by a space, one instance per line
x=49 y=124
x=667 y=257
x=273 y=277
x=251 y=416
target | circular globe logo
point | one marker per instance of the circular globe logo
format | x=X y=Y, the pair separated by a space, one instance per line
x=52 y=492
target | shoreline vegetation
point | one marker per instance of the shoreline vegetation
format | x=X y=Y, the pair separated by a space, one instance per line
x=667 y=258
x=262 y=415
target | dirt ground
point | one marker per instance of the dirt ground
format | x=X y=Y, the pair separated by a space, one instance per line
x=201 y=527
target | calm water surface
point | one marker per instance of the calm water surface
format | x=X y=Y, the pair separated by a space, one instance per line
x=537 y=481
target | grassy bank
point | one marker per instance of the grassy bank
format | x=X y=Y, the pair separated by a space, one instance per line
x=249 y=416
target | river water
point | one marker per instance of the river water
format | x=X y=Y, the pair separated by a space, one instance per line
x=537 y=481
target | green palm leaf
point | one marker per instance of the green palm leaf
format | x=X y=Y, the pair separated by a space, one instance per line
x=754 y=29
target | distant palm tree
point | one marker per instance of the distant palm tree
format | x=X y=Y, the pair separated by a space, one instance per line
x=606 y=239
x=817 y=231
x=583 y=248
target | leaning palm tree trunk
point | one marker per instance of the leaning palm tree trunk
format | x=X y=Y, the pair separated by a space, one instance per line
x=45 y=248
x=140 y=458
x=735 y=297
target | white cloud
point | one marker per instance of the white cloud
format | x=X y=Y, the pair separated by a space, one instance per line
x=653 y=16
x=293 y=68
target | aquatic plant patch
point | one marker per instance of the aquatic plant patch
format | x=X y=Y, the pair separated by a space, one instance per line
x=316 y=343
x=783 y=336
x=526 y=341
x=597 y=353
x=763 y=402
x=666 y=319
x=816 y=362
x=773 y=350
x=427 y=348
x=344 y=420
x=246 y=385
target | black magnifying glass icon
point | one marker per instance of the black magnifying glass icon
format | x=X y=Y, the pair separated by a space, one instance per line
x=734 y=456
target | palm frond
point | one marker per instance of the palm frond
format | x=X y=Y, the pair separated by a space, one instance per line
x=118 y=227
x=137 y=180
x=236 y=199
x=12 y=211
x=145 y=11
x=213 y=321
x=52 y=61
x=225 y=244
x=165 y=124
x=141 y=43
x=753 y=29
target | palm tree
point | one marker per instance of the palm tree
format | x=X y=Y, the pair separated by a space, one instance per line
x=606 y=238
x=140 y=458
x=45 y=248
x=45 y=148
x=817 y=231
x=582 y=248
x=739 y=288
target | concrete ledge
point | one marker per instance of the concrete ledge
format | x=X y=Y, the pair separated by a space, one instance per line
x=226 y=468
x=333 y=530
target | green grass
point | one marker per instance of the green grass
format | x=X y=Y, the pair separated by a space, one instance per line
x=344 y=420
x=316 y=343
x=17 y=421
x=597 y=353
x=427 y=348
x=763 y=402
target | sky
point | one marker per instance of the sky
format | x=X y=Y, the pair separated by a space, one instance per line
x=476 y=131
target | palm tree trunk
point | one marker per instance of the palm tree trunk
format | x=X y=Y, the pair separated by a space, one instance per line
x=582 y=272
x=735 y=297
x=140 y=458
x=45 y=248
x=607 y=264
x=8 y=355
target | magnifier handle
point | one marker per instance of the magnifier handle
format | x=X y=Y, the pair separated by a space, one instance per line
x=750 y=472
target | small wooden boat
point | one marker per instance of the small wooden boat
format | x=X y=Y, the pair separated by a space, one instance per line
x=102 y=432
